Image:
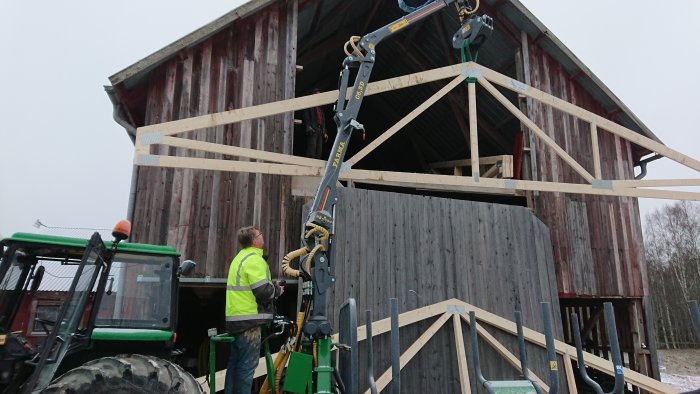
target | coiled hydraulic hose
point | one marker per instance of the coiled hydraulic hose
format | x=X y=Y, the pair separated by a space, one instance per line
x=465 y=12
x=352 y=42
x=287 y=268
x=287 y=261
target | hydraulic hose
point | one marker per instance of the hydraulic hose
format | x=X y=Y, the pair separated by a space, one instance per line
x=407 y=8
x=465 y=12
x=352 y=42
x=287 y=260
x=301 y=316
x=291 y=256
x=310 y=257
x=315 y=228
x=283 y=356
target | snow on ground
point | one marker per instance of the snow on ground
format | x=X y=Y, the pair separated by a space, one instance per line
x=682 y=382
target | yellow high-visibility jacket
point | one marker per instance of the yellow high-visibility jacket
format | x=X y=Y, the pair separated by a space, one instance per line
x=249 y=291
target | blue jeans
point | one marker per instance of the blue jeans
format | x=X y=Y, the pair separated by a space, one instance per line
x=242 y=361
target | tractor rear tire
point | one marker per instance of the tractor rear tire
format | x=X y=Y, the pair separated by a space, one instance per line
x=125 y=373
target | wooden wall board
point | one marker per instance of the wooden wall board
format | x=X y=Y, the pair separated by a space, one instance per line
x=199 y=210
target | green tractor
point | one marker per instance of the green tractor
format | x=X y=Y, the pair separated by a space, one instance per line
x=112 y=329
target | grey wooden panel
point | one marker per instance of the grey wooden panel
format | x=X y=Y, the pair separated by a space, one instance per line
x=494 y=256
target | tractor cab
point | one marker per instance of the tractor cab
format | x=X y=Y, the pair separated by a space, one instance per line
x=109 y=298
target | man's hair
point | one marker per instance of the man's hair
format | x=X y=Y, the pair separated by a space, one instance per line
x=246 y=235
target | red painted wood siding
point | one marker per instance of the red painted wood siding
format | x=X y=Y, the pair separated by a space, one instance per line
x=198 y=212
x=597 y=240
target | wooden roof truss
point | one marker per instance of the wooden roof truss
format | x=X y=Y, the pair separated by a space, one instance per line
x=284 y=164
x=457 y=311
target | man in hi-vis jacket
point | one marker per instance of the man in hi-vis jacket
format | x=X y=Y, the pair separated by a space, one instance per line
x=249 y=296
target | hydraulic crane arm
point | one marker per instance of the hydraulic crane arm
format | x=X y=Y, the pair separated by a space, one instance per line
x=315 y=257
x=361 y=55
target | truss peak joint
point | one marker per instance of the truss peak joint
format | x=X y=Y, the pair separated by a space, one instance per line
x=471 y=73
x=602 y=184
x=151 y=138
x=453 y=309
x=147 y=160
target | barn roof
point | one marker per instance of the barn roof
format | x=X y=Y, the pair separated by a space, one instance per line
x=320 y=23
x=133 y=74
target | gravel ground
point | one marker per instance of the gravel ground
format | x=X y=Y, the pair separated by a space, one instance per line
x=680 y=368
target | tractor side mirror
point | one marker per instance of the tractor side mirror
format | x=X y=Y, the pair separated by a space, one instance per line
x=186 y=267
x=36 y=278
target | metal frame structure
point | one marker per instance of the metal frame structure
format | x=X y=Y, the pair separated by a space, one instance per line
x=295 y=166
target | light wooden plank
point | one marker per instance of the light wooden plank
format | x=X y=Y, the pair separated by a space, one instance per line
x=596 y=151
x=507 y=166
x=299 y=103
x=383 y=326
x=473 y=135
x=228 y=165
x=656 y=182
x=588 y=116
x=361 y=175
x=570 y=378
x=468 y=162
x=384 y=380
x=405 y=120
x=412 y=178
x=240 y=152
x=461 y=356
x=505 y=353
x=491 y=172
x=532 y=126
x=450 y=188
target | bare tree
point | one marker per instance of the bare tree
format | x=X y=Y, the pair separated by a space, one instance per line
x=672 y=250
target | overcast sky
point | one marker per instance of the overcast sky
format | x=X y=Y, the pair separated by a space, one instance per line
x=66 y=162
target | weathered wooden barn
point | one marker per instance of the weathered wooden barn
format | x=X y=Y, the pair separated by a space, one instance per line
x=499 y=248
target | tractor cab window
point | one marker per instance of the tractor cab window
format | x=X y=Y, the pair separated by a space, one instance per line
x=13 y=275
x=138 y=291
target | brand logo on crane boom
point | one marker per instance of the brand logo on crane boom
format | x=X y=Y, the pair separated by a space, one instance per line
x=338 y=154
x=360 y=89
